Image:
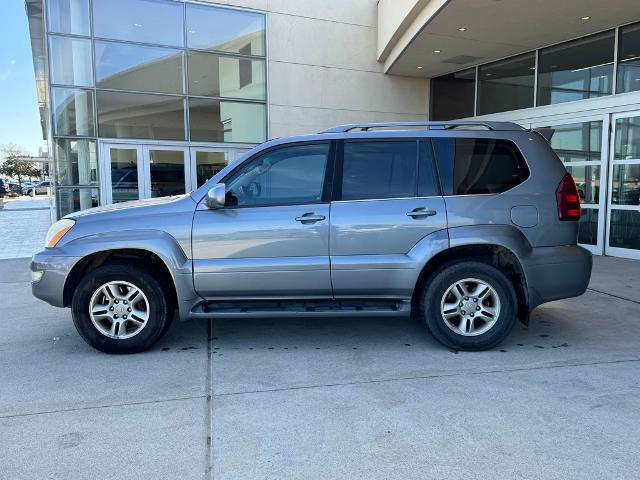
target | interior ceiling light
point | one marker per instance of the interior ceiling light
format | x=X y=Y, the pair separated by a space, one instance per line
x=437 y=51
x=420 y=68
x=462 y=29
x=585 y=18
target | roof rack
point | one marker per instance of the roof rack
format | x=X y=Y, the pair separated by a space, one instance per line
x=449 y=125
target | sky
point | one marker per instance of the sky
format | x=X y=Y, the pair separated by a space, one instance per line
x=19 y=117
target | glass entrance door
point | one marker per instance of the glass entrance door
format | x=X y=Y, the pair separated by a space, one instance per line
x=208 y=161
x=143 y=171
x=623 y=222
x=579 y=144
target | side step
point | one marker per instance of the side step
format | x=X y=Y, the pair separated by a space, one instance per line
x=300 y=308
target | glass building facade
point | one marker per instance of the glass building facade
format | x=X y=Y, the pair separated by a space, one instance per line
x=150 y=97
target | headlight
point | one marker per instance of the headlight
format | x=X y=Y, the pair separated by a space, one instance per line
x=57 y=231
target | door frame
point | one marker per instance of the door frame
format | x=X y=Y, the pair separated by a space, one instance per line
x=608 y=250
x=602 y=205
x=106 y=186
x=146 y=158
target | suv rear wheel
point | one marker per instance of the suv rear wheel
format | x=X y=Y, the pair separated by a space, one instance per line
x=469 y=305
x=121 y=308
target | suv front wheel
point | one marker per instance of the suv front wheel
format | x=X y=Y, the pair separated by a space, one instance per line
x=121 y=308
x=469 y=305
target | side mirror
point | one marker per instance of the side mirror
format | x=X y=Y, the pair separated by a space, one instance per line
x=216 y=197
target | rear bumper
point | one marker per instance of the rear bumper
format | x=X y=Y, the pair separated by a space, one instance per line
x=54 y=270
x=554 y=273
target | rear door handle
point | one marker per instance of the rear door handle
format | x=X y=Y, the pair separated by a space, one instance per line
x=421 y=212
x=310 y=217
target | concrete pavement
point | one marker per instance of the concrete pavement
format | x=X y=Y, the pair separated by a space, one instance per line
x=330 y=398
x=24 y=222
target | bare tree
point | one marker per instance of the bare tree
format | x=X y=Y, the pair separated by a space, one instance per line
x=13 y=164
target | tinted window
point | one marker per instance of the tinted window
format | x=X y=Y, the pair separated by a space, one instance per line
x=479 y=165
x=288 y=175
x=379 y=169
x=506 y=85
x=629 y=58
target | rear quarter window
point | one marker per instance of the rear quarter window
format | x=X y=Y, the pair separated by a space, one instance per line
x=471 y=166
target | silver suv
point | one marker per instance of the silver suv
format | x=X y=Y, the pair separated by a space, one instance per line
x=469 y=225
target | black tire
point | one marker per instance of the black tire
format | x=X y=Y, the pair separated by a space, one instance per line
x=447 y=275
x=160 y=311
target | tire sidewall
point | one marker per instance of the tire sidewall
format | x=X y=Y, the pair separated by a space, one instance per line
x=141 y=278
x=450 y=274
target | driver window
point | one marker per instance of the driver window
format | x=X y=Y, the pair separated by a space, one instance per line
x=287 y=175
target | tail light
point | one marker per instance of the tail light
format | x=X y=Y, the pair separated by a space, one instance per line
x=568 y=200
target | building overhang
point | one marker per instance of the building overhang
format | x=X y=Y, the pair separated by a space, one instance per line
x=443 y=36
x=35 y=16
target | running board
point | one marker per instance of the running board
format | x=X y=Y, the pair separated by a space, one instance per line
x=300 y=308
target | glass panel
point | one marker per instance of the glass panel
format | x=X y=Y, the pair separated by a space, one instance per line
x=625 y=229
x=379 y=170
x=124 y=174
x=76 y=162
x=627 y=141
x=70 y=61
x=578 y=142
x=71 y=200
x=471 y=166
x=506 y=85
x=283 y=176
x=625 y=188
x=69 y=16
x=576 y=70
x=146 y=21
x=588 y=226
x=167 y=172
x=427 y=177
x=72 y=111
x=453 y=95
x=587 y=180
x=235 y=31
x=208 y=164
x=219 y=76
x=139 y=115
x=122 y=66
x=629 y=59
x=220 y=121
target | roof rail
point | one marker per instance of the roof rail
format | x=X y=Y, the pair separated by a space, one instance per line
x=449 y=125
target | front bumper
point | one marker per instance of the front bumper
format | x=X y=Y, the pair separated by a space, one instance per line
x=55 y=270
x=554 y=273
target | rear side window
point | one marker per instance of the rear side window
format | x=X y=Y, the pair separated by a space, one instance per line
x=471 y=166
x=379 y=169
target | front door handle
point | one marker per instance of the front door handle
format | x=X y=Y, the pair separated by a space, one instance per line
x=309 y=218
x=421 y=212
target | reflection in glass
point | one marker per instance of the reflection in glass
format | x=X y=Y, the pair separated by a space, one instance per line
x=292 y=174
x=588 y=226
x=68 y=16
x=235 y=31
x=587 y=178
x=506 y=85
x=139 y=115
x=70 y=61
x=629 y=59
x=124 y=174
x=71 y=200
x=625 y=187
x=576 y=70
x=627 y=140
x=167 y=172
x=122 y=66
x=76 y=162
x=220 y=121
x=625 y=229
x=578 y=142
x=72 y=111
x=453 y=95
x=145 y=21
x=208 y=164
x=220 y=76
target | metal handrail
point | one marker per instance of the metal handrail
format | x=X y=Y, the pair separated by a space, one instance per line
x=448 y=125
